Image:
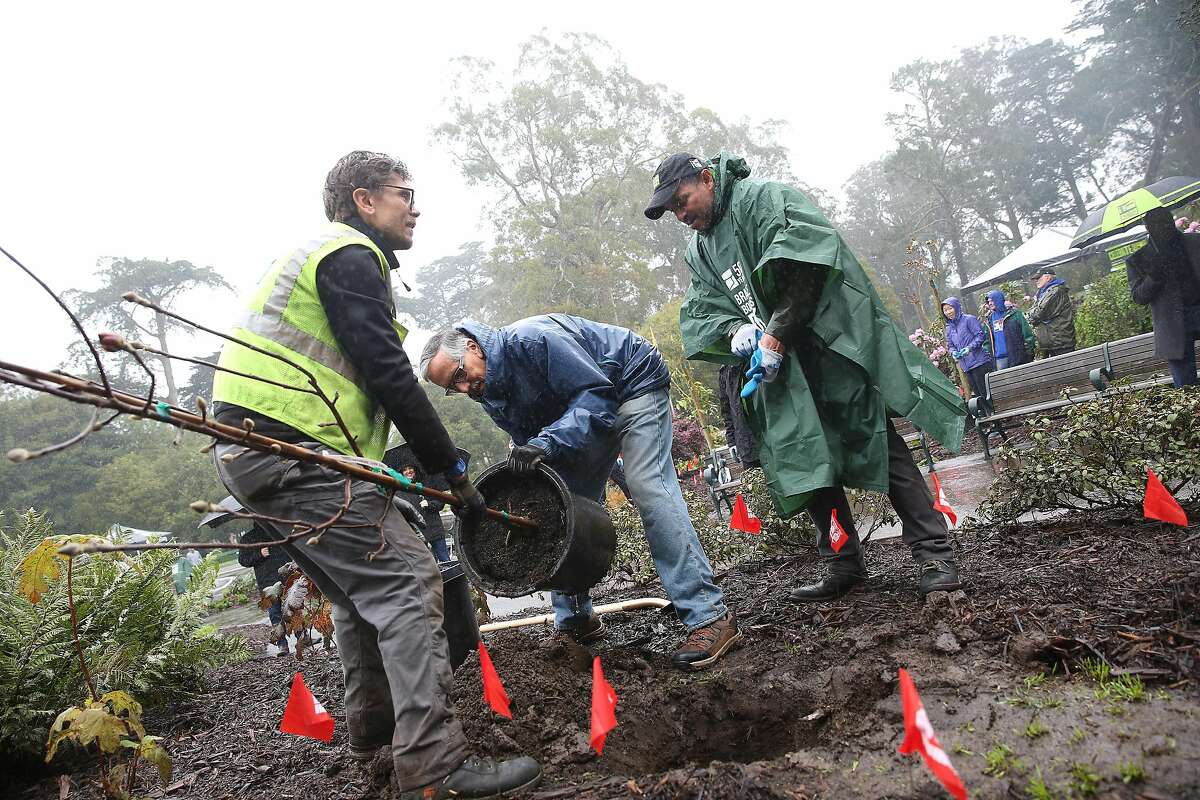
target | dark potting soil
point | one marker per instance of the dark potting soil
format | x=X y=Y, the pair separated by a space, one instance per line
x=513 y=560
x=807 y=707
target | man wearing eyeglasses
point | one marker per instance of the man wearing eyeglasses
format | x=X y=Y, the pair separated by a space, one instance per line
x=576 y=394
x=327 y=307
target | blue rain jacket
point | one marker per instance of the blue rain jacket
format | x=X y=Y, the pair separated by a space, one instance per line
x=965 y=331
x=556 y=381
x=999 y=347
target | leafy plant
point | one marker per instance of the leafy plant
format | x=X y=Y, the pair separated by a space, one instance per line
x=136 y=635
x=1084 y=779
x=1108 y=312
x=1035 y=728
x=114 y=724
x=303 y=607
x=1131 y=772
x=1096 y=458
x=1001 y=760
x=1037 y=789
x=241 y=591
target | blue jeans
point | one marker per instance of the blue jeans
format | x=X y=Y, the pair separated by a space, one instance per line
x=441 y=551
x=643 y=438
x=275 y=614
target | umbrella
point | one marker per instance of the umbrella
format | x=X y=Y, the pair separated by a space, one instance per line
x=1128 y=209
x=215 y=519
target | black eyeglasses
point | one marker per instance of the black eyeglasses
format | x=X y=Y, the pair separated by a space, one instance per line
x=407 y=193
x=458 y=376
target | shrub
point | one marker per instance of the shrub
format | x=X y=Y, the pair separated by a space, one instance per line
x=1108 y=312
x=687 y=439
x=1096 y=458
x=136 y=634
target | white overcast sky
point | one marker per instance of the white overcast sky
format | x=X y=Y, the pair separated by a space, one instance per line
x=204 y=132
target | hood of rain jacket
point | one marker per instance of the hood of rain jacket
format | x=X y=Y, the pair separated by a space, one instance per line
x=556 y=381
x=824 y=421
x=965 y=331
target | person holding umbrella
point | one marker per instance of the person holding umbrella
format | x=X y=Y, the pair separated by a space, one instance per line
x=431 y=511
x=1165 y=275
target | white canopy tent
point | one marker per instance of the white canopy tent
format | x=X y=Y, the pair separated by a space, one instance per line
x=1043 y=245
x=1050 y=247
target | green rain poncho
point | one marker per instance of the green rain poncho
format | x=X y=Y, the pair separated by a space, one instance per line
x=823 y=421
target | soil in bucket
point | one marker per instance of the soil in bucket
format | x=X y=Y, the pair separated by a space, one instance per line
x=515 y=559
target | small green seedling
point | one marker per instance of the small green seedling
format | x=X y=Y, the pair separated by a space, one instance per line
x=1037 y=788
x=1095 y=668
x=1035 y=728
x=1034 y=681
x=1078 y=735
x=1001 y=761
x=1131 y=772
x=1084 y=780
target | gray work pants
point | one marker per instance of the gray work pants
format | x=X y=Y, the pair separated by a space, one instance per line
x=923 y=528
x=387 y=610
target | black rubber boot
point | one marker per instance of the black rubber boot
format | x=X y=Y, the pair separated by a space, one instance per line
x=831 y=587
x=939 y=576
x=481 y=777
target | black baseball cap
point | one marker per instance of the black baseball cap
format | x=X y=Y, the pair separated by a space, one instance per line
x=670 y=172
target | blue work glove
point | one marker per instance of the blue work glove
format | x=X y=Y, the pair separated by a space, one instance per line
x=764 y=366
x=744 y=340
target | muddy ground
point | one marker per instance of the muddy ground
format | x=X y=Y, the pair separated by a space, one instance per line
x=808 y=706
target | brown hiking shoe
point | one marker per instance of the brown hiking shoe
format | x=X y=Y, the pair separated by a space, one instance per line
x=705 y=645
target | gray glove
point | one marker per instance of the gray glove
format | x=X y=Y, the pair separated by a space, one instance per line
x=410 y=513
x=744 y=340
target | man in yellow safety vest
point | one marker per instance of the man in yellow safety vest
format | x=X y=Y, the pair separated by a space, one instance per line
x=326 y=309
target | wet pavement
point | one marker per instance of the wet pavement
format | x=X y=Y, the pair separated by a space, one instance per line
x=965 y=481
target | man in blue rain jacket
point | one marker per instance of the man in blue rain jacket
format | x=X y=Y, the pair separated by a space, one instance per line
x=575 y=394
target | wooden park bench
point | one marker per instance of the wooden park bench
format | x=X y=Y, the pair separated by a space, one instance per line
x=1050 y=385
x=914 y=438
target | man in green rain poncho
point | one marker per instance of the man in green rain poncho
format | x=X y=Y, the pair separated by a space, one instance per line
x=774 y=284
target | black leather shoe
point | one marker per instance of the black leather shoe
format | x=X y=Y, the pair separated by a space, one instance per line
x=481 y=777
x=939 y=576
x=831 y=587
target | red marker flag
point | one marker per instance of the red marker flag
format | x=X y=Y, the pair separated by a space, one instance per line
x=1160 y=504
x=493 y=690
x=939 y=501
x=919 y=736
x=304 y=714
x=741 y=520
x=604 y=704
x=837 y=534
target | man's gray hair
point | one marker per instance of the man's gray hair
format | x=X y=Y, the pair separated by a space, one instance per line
x=359 y=169
x=451 y=341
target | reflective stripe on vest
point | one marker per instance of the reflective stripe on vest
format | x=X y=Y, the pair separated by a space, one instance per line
x=285 y=316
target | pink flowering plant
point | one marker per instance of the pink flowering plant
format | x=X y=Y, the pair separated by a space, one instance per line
x=933 y=345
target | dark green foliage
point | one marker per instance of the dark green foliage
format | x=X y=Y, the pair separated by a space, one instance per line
x=1108 y=312
x=130 y=473
x=1097 y=456
x=137 y=635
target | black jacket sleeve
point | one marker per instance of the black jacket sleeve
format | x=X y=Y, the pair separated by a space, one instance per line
x=356 y=301
x=252 y=558
x=799 y=288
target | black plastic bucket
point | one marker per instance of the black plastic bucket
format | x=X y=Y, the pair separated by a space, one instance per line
x=570 y=553
x=462 y=626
